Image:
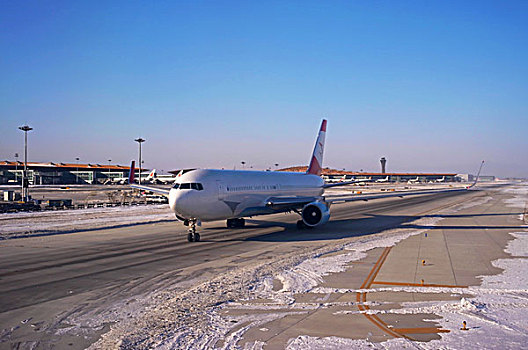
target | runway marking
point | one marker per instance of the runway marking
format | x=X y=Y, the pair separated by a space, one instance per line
x=417 y=284
x=421 y=330
x=362 y=297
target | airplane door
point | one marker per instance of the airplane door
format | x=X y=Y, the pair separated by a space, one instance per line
x=221 y=190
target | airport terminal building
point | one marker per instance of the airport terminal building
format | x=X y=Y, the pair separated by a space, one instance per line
x=60 y=173
x=343 y=175
x=72 y=173
x=394 y=177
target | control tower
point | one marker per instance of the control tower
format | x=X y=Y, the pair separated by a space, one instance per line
x=383 y=162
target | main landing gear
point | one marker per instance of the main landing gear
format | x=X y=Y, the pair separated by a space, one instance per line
x=234 y=223
x=301 y=225
x=193 y=236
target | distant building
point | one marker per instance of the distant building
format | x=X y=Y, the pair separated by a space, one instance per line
x=333 y=174
x=464 y=177
x=471 y=178
x=487 y=178
x=60 y=173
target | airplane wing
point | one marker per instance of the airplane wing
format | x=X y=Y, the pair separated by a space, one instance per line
x=279 y=203
x=367 y=197
x=162 y=191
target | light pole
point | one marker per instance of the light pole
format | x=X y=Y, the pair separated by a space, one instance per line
x=25 y=181
x=109 y=164
x=16 y=168
x=243 y=164
x=77 y=174
x=140 y=141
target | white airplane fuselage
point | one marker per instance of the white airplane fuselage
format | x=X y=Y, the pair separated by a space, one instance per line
x=233 y=194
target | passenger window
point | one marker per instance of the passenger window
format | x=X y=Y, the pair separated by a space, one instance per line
x=186 y=186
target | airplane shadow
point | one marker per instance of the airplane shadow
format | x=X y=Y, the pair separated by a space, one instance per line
x=346 y=228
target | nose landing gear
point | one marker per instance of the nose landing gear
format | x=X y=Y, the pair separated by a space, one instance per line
x=193 y=236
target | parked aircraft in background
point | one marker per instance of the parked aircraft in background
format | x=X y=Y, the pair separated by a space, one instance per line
x=209 y=194
x=383 y=180
x=360 y=182
x=146 y=177
x=441 y=179
x=329 y=179
x=413 y=181
x=156 y=178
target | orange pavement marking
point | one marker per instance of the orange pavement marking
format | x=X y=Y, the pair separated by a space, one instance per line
x=423 y=330
x=363 y=296
x=417 y=284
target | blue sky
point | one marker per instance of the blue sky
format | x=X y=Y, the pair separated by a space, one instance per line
x=430 y=85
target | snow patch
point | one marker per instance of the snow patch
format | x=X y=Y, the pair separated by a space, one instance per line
x=50 y=222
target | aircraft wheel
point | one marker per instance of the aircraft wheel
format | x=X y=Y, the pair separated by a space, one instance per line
x=230 y=223
x=301 y=225
x=241 y=222
x=190 y=237
x=197 y=237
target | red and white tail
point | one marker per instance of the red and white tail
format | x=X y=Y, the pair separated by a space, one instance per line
x=316 y=163
x=131 y=174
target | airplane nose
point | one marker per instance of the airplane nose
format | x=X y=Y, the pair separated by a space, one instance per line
x=173 y=199
x=177 y=201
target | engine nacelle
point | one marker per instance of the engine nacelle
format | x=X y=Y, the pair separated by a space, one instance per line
x=315 y=214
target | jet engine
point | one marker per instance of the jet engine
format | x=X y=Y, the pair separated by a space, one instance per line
x=315 y=213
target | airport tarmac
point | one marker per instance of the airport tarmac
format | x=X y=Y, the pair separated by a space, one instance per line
x=145 y=286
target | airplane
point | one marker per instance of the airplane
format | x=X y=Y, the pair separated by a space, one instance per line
x=124 y=180
x=360 y=182
x=383 y=180
x=441 y=179
x=328 y=179
x=209 y=194
x=413 y=181
x=162 y=179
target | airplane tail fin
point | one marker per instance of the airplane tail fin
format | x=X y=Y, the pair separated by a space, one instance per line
x=152 y=174
x=131 y=174
x=316 y=163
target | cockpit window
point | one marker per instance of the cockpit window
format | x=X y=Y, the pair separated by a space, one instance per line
x=188 y=186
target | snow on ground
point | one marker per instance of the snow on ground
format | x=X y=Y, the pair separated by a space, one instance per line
x=49 y=222
x=519 y=200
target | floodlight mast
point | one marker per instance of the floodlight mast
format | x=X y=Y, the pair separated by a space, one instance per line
x=140 y=140
x=25 y=181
